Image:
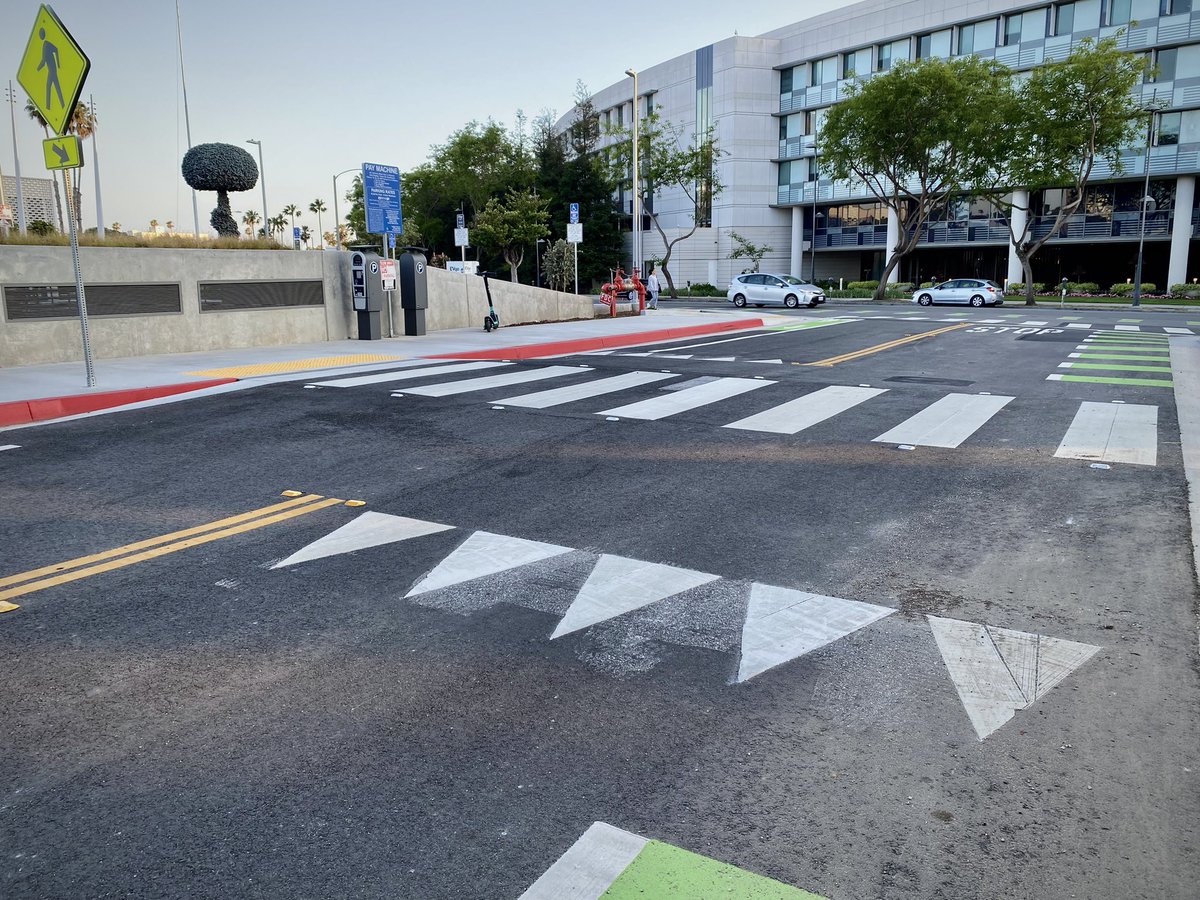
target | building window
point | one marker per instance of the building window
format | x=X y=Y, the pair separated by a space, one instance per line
x=1166 y=132
x=821 y=71
x=1117 y=12
x=936 y=44
x=1064 y=19
x=1174 y=7
x=785 y=81
x=1012 y=30
x=785 y=174
x=1167 y=60
x=890 y=54
x=857 y=63
x=966 y=39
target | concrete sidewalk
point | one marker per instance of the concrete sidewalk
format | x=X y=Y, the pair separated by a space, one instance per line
x=37 y=393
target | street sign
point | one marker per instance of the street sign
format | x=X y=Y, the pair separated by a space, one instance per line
x=388 y=270
x=575 y=233
x=64 y=152
x=461 y=237
x=460 y=221
x=574 y=213
x=381 y=194
x=391 y=241
x=53 y=70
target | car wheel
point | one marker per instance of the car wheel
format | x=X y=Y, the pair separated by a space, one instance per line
x=739 y=301
x=925 y=300
x=977 y=301
x=790 y=301
x=812 y=304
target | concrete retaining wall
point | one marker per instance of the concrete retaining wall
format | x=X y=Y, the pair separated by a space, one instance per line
x=29 y=342
x=455 y=301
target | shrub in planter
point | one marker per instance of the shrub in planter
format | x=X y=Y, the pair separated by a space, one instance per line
x=1126 y=290
x=862 y=285
x=704 y=289
x=1186 y=291
x=1083 y=287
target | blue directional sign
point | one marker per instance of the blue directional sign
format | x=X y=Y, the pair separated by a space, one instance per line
x=381 y=194
x=295 y=233
x=574 y=213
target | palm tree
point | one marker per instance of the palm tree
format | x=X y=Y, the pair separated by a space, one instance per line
x=116 y=226
x=291 y=211
x=36 y=115
x=305 y=235
x=250 y=219
x=170 y=227
x=83 y=124
x=318 y=207
x=278 y=224
x=154 y=226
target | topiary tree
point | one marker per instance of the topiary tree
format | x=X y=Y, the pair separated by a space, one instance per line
x=221 y=168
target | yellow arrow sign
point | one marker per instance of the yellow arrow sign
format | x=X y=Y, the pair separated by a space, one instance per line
x=53 y=70
x=63 y=152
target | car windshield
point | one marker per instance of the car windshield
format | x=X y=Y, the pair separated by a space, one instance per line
x=790 y=279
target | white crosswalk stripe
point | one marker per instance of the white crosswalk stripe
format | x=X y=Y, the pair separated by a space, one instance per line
x=804 y=412
x=559 y=396
x=422 y=372
x=1102 y=432
x=488 y=382
x=689 y=398
x=1111 y=432
x=947 y=423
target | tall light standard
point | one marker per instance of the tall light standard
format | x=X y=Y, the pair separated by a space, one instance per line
x=187 y=119
x=96 y=167
x=1147 y=202
x=12 y=105
x=337 y=221
x=262 y=179
x=637 y=202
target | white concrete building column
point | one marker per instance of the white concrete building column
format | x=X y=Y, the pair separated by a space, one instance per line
x=893 y=241
x=1181 y=231
x=1020 y=214
x=795 y=266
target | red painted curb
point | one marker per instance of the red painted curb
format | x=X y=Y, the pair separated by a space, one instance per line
x=563 y=348
x=22 y=411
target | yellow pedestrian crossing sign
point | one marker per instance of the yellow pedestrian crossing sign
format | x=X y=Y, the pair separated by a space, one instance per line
x=64 y=152
x=53 y=70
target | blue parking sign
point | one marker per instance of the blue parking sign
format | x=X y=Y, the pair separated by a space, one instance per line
x=574 y=213
x=381 y=196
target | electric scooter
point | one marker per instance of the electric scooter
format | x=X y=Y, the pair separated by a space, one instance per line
x=491 y=320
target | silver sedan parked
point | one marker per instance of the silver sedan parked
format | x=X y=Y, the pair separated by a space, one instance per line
x=975 y=291
x=766 y=289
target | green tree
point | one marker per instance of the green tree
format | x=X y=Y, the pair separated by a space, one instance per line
x=318 y=207
x=250 y=218
x=512 y=225
x=1053 y=128
x=915 y=137
x=558 y=266
x=356 y=217
x=668 y=161
x=291 y=211
x=305 y=235
x=744 y=249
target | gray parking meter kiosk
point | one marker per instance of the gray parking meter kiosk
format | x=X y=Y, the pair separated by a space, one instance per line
x=414 y=292
x=366 y=291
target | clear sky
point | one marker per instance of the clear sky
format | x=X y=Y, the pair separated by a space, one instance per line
x=326 y=86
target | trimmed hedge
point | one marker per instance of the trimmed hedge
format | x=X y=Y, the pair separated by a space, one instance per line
x=1123 y=290
x=1188 y=291
x=1082 y=287
x=862 y=285
x=1018 y=287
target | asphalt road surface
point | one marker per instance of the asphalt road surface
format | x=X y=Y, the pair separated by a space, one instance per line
x=876 y=607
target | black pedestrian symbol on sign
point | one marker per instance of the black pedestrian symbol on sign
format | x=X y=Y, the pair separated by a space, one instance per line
x=50 y=64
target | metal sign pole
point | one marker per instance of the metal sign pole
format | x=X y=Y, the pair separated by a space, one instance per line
x=576 y=268
x=82 y=301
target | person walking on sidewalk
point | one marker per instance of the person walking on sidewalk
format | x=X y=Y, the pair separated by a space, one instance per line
x=652 y=288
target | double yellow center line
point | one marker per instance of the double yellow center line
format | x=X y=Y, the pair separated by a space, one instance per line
x=13 y=586
x=867 y=351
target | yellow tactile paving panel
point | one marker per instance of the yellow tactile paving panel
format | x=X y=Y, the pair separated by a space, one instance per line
x=294 y=365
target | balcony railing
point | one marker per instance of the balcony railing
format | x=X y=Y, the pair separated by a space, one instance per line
x=1123 y=226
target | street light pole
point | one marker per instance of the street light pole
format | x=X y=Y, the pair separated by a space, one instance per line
x=812 y=251
x=187 y=119
x=12 y=106
x=1145 y=202
x=637 y=202
x=96 y=168
x=262 y=180
x=337 y=221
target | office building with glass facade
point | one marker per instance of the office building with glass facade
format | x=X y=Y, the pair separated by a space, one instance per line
x=765 y=98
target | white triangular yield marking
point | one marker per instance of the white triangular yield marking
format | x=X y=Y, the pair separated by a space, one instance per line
x=774 y=362
x=371 y=529
x=619 y=585
x=998 y=671
x=484 y=553
x=782 y=624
